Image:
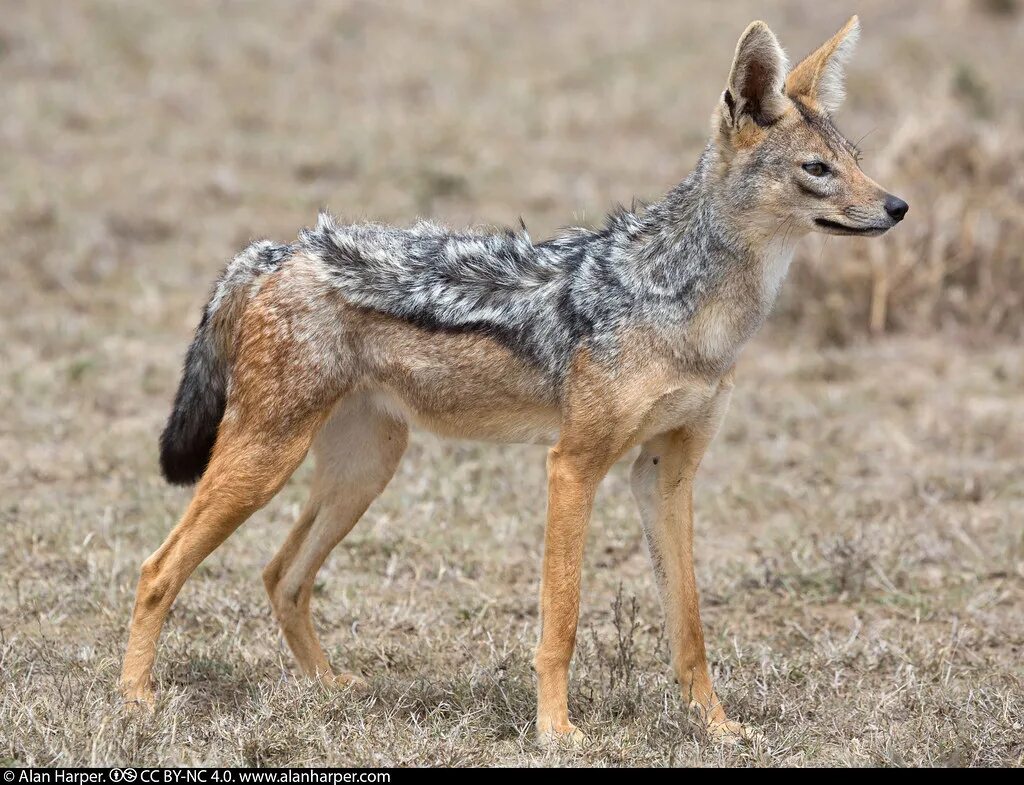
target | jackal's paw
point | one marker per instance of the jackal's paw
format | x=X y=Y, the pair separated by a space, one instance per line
x=138 y=699
x=346 y=681
x=717 y=727
x=731 y=732
x=553 y=736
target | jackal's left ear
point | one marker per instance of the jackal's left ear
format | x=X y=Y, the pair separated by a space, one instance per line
x=820 y=76
x=754 y=92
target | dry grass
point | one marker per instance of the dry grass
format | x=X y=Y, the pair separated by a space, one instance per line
x=860 y=547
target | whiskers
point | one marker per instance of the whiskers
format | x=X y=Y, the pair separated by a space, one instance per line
x=786 y=226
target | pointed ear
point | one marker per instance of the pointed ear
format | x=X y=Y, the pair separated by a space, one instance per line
x=755 y=89
x=820 y=77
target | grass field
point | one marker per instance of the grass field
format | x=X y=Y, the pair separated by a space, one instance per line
x=860 y=545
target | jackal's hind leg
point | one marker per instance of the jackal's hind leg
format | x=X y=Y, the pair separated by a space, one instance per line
x=356 y=452
x=251 y=461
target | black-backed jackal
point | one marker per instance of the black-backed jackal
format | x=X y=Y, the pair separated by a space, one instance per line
x=596 y=342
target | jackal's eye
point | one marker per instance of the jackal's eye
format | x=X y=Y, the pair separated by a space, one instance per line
x=816 y=169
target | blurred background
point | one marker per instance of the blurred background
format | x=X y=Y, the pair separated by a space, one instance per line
x=860 y=547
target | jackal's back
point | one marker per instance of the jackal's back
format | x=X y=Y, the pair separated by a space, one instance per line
x=540 y=301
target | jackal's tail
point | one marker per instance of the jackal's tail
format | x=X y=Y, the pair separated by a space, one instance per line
x=188 y=438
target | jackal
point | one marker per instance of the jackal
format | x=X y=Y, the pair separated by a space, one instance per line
x=595 y=342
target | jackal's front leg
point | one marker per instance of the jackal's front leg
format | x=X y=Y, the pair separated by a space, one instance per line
x=662 y=482
x=572 y=482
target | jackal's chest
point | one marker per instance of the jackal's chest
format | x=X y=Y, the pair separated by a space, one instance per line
x=695 y=404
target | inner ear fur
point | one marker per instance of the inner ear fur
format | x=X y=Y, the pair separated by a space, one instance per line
x=819 y=78
x=754 y=92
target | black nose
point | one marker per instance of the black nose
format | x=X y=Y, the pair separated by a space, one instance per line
x=896 y=207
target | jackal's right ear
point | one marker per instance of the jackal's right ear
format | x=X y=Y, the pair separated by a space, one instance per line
x=754 y=93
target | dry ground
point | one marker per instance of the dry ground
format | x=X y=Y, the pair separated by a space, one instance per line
x=860 y=547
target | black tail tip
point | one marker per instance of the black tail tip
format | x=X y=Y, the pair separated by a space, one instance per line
x=183 y=461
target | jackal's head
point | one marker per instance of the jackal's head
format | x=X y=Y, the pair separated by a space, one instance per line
x=783 y=161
